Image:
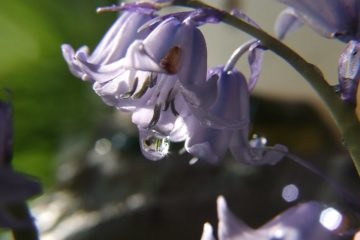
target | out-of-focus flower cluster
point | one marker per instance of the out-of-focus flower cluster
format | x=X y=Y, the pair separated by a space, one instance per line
x=155 y=67
x=14 y=187
x=310 y=220
x=332 y=19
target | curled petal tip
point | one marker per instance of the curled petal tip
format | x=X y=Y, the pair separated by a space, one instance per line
x=286 y=22
x=207 y=232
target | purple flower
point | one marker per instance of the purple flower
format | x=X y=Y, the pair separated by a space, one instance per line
x=349 y=72
x=221 y=119
x=14 y=187
x=112 y=47
x=307 y=221
x=330 y=18
x=162 y=80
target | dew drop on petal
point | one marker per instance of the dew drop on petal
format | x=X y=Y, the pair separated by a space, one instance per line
x=153 y=145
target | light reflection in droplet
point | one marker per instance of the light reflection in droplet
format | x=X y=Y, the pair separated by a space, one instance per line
x=102 y=146
x=153 y=145
x=290 y=193
x=330 y=218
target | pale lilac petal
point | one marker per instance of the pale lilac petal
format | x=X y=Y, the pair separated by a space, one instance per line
x=330 y=18
x=302 y=221
x=105 y=62
x=349 y=72
x=137 y=57
x=98 y=72
x=287 y=22
x=231 y=106
x=206 y=143
x=161 y=39
x=207 y=232
x=192 y=73
x=229 y=226
x=255 y=58
x=69 y=56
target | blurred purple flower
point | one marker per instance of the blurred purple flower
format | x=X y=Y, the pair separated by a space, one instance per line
x=307 y=221
x=14 y=187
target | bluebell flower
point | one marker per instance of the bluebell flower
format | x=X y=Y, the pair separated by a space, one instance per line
x=307 y=221
x=332 y=19
x=14 y=187
x=162 y=79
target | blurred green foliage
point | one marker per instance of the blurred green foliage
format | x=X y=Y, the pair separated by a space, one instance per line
x=49 y=103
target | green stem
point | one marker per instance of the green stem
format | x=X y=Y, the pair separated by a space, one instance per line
x=344 y=115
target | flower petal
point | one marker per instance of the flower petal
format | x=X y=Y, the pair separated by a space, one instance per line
x=206 y=143
x=330 y=18
x=349 y=72
x=287 y=22
x=229 y=226
x=207 y=232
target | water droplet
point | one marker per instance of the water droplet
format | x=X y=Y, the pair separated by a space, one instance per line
x=153 y=145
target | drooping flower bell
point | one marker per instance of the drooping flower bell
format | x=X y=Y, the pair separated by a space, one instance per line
x=307 y=221
x=14 y=187
x=221 y=121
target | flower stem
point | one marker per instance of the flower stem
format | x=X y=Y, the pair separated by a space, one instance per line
x=344 y=115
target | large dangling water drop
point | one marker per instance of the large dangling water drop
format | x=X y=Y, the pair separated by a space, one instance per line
x=154 y=146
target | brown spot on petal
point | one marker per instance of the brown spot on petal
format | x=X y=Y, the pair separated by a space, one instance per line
x=171 y=61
